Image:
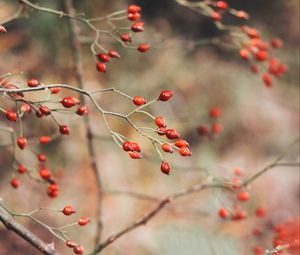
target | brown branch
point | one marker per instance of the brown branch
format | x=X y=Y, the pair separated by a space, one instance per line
x=10 y=224
x=76 y=48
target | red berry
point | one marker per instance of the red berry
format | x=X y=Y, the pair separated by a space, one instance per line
x=223 y=213
x=202 y=130
x=258 y=250
x=127 y=146
x=82 y=110
x=256 y=231
x=167 y=147
x=22 y=169
x=55 y=90
x=68 y=102
x=15 y=183
x=161 y=130
x=242 y=15
x=103 y=57
x=83 y=221
x=185 y=152
x=44 y=110
x=113 y=54
x=216 y=128
x=136 y=147
x=68 y=210
x=139 y=100
x=237 y=171
x=221 y=5
x=11 y=115
x=172 y=134
x=165 y=167
x=21 y=142
x=239 y=215
x=276 y=43
x=41 y=157
x=101 y=67
x=181 y=143
x=78 y=249
x=126 y=38
x=267 y=79
x=215 y=112
x=135 y=155
x=260 y=212
x=32 y=83
x=134 y=16
x=133 y=8
x=243 y=196
x=261 y=55
x=143 y=47
x=215 y=16
x=64 y=130
x=236 y=183
x=138 y=27
x=44 y=139
x=244 y=54
x=45 y=173
x=52 y=190
x=165 y=95
x=160 y=121
x=70 y=244
x=25 y=108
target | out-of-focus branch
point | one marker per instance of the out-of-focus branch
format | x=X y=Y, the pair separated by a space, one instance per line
x=76 y=47
x=9 y=223
x=16 y=15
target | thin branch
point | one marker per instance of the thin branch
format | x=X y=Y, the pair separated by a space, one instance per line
x=10 y=224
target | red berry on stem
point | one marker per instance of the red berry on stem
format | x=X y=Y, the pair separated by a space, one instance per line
x=21 y=142
x=216 y=128
x=126 y=38
x=25 y=108
x=22 y=169
x=261 y=55
x=165 y=95
x=185 y=152
x=215 y=112
x=215 y=16
x=44 y=110
x=64 y=129
x=32 y=83
x=143 y=47
x=82 y=110
x=127 y=146
x=260 y=212
x=134 y=16
x=181 y=143
x=41 y=157
x=276 y=43
x=52 y=190
x=133 y=8
x=172 y=134
x=68 y=102
x=136 y=147
x=68 y=210
x=55 y=90
x=78 y=249
x=139 y=100
x=103 y=57
x=135 y=155
x=244 y=54
x=138 y=27
x=202 y=130
x=11 y=115
x=221 y=5
x=242 y=15
x=70 y=244
x=160 y=121
x=267 y=79
x=161 y=130
x=83 y=221
x=165 y=167
x=114 y=54
x=45 y=173
x=167 y=147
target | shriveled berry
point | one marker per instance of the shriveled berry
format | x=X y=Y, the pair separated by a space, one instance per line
x=64 y=129
x=165 y=167
x=21 y=142
x=139 y=100
x=83 y=221
x=68 y=210
x=32 y=83
x=165 y=95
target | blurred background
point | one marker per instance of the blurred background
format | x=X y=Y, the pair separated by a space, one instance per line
x=258 y=123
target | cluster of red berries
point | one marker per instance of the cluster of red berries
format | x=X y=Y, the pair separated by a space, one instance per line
x=258 y=50
x=215 y=127
x=134 y=15
x=69 y=210
x=221 y=7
